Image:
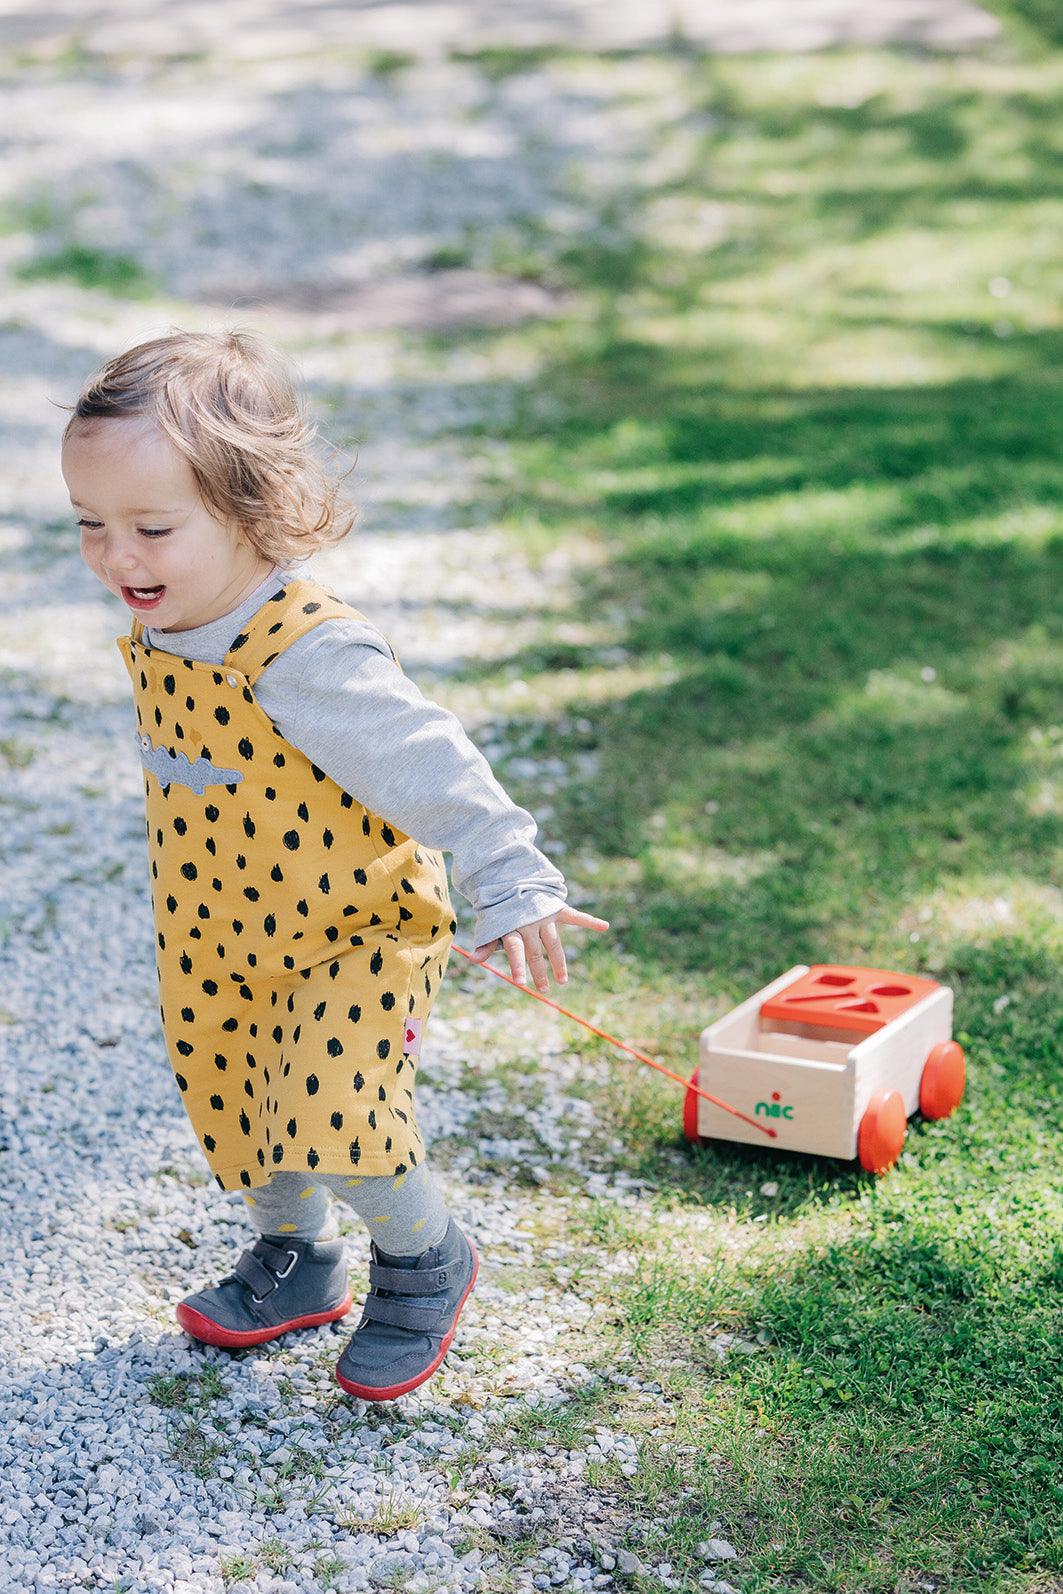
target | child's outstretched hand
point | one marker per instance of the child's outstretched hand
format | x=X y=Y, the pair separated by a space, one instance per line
x=529 y=944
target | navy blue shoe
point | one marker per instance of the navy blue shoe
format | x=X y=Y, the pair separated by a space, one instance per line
x=278 y=1284
x=409 y=1317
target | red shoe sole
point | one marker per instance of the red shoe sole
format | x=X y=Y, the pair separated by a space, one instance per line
x=369 y=1392
x=211 y=1333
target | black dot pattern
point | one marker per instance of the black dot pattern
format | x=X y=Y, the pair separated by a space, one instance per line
x=297 y=933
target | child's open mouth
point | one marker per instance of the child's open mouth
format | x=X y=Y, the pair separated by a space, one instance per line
x=143 y=597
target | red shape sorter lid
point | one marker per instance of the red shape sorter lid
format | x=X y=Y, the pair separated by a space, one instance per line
x=843 y=997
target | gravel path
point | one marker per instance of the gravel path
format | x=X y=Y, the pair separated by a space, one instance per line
x=259 y=173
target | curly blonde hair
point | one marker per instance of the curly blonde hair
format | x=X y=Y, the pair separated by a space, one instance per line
x=230 y=403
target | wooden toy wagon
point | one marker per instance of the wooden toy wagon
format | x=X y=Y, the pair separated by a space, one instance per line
x=834 y=1059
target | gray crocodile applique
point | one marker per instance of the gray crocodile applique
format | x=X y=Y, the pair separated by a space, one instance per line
x=168 y=767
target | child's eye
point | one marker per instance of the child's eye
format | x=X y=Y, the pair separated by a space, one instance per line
x=146 y=531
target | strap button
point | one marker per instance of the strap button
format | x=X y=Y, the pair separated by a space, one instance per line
x=231 y=680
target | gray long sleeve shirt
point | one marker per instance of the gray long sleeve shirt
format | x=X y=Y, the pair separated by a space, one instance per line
x=339 y=697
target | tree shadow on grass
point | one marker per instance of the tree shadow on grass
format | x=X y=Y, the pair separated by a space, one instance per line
x=824 y=746
x=857 y=596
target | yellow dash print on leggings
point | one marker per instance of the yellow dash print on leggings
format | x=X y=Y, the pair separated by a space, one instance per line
x=382 y=1217
x=303 y=1194
x=288 y=1228
x=397 y=1184
x=419 y=1224
x=351 y=1182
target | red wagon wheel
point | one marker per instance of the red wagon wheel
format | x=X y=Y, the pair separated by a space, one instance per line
x=944 y=1076
x=882 y=1131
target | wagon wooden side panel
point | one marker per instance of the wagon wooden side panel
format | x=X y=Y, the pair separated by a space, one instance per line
x=801 y=1088
x=894 y=1057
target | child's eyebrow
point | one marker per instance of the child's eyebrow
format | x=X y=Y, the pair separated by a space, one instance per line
x=152 y=509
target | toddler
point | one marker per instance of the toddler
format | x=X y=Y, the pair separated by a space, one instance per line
x=299 y=794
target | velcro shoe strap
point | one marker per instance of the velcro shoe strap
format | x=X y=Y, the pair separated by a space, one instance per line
x=408 y=1281
x=401 y=1315
x=276 y=1257
x=251 y=1271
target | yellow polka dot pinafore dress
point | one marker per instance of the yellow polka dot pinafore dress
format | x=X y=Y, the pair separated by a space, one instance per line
x=300 y=938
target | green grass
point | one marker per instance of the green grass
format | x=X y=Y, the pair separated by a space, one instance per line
x=807 y=413
x=1039 y=22
x=388 y=64
x=497 y=62
x=193 y=1441
x=116 y=274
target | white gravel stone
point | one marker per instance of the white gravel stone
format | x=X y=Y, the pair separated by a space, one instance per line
x=717 y=1550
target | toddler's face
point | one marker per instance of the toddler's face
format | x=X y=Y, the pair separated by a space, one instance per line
x=143 y=524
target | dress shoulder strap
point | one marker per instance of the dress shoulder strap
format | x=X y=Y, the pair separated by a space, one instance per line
x=286 y=616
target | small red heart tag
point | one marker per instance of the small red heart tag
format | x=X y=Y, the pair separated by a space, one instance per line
x=411 y=1042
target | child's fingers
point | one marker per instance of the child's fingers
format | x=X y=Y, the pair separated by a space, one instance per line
x=538 y=964
x=536 y=942
x=555 y=952
x=586 y=921
x=518 y=966
x=527 y=948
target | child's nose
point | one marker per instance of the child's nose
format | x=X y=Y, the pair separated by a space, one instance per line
x=121 y=561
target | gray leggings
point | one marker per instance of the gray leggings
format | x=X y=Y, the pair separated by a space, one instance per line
x=404 y=1212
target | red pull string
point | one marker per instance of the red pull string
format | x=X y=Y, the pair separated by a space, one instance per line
x=772 y=1134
